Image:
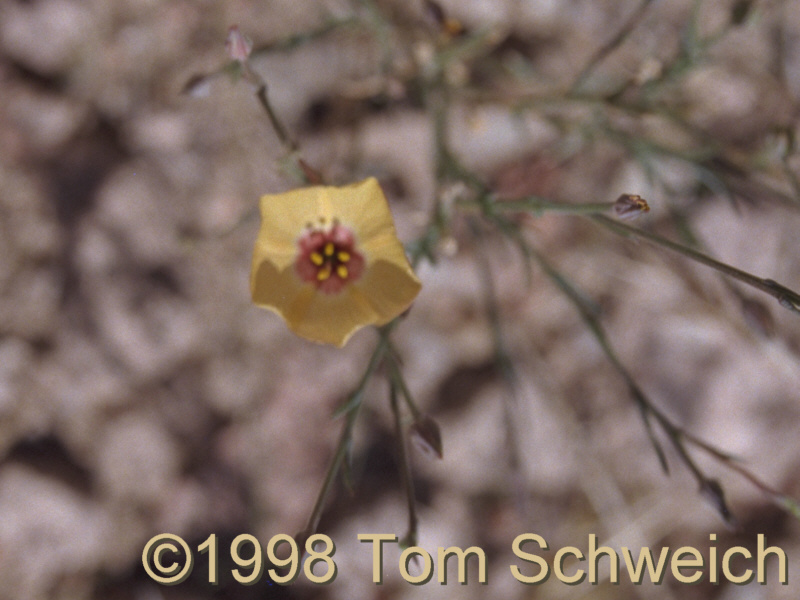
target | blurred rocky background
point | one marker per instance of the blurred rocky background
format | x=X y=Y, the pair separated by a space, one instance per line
x=141 y=392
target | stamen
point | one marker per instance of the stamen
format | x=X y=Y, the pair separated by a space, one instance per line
x=329 y=259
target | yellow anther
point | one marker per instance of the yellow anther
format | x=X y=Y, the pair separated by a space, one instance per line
x=324 y=273
x=341 y=271
x=343 y=256
x=329 y=249
x=317 y=259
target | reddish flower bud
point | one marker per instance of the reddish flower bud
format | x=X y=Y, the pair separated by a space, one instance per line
x=630 y=206
x=238 y=45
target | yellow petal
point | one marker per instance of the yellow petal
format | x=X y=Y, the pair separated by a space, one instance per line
x=281 y=255
x=388 y=288
x=332 y=319
x=284 y=217
x=362 y=207
x=280 y=291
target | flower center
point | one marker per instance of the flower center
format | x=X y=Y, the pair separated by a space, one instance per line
x=328 y=258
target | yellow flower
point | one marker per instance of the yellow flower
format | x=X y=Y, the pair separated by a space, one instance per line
x=327 y=259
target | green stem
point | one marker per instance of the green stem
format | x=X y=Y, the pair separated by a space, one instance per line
x=330 y=476
x=397 y=377
x=589 y=315
x=410 y=538
x=297 y=40
x=277 y=125
x=612 y=44
x=786 y=297
x=351 y=408
x=538 y=205
x=647 y=408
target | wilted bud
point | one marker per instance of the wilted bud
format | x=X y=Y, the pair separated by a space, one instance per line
x=630 y=206
x=427 y=435
x=237 y=44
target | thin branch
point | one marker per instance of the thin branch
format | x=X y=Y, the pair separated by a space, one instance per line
x=590 y=317
x=397 y=377
x=538 y=205
x=612 y=44
x=410 y=539
x=277 y=125
x=505 y=366
x=786 y=297
x=296 y=40
x=351 y=409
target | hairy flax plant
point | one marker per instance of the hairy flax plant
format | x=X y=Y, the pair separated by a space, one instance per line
x=453 y=69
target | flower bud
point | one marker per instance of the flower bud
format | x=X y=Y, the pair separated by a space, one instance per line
x=630 y=206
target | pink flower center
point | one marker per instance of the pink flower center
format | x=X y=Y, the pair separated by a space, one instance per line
x=328 y=258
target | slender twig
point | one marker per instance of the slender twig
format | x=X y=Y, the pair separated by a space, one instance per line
x=397 y=377
x=410 y=539
x=786 y=297
x=537 y=206
x=505 y=366
x=330 y=476
x=293 y=41
x=382 y=32
x=502 y=357
x=589 y=314
x=351 y=409
x=646 y=406
x=612 y=44
x=277 y=125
